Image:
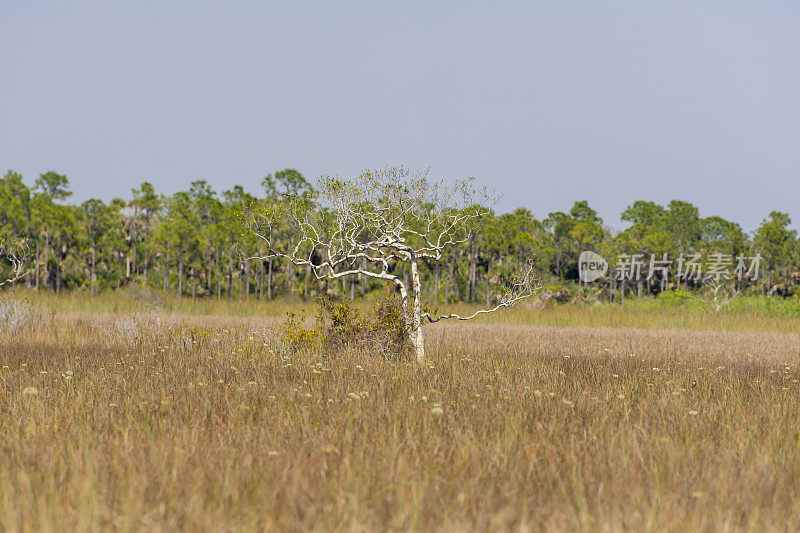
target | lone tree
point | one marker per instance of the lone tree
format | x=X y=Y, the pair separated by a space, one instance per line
x=373 y=224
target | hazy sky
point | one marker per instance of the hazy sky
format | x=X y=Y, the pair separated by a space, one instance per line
x=548 y=102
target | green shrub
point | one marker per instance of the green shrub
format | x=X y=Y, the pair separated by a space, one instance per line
x=295 y=335
x=340 y=324
x=677 y=297
x=341 y=328
x=389 y=329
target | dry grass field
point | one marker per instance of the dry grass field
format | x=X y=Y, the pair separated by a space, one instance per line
x=193 y=421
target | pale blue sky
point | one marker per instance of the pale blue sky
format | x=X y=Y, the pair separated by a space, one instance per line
x=547 y=102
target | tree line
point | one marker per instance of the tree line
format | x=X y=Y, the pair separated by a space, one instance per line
x=196 y=243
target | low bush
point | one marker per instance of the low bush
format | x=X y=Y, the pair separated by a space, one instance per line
x=340 y=328
x=678 y=297
x=20 y=315
x=130 y=331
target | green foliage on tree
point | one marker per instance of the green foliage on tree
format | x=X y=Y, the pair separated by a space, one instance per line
x=194 y=243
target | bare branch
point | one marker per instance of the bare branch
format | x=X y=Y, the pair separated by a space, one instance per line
x=381 y=216
x=718 y=292
x=523 y=284
x=13 y=256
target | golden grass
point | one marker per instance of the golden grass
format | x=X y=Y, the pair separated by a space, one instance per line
x=200 y=422
x=647 y=314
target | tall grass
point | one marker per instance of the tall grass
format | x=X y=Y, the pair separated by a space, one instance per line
x=766 y=314
x=205 y=422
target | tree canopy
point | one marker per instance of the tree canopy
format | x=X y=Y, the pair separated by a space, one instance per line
x=195 y=243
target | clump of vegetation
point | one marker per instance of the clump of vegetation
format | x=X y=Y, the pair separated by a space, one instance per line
x=340 y=328
x=676 y=298
x=132 y=331
x=19 y=315
x=296 y=336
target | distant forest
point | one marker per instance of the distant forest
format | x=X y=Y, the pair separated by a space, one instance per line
x=192 y=243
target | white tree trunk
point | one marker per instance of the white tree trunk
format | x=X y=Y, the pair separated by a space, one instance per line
x=417 y=340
